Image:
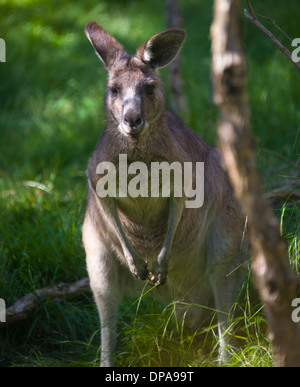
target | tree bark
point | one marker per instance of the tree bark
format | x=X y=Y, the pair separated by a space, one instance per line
x=178 y=101
x=272 y=273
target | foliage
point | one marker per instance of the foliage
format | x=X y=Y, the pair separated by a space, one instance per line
x=51 y=116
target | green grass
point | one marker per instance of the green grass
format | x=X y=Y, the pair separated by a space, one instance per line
x=51 y=116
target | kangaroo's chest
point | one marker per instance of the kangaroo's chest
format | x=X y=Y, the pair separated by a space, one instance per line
x=143 y=190
x=144 y=221
x=145 y=213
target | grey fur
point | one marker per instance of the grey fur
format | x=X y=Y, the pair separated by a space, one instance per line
x=195 y=254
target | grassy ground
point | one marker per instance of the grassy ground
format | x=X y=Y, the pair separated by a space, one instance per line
x=51 y=116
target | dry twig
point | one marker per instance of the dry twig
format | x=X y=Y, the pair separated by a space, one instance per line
x=271 y=37
x=276 y=26
x=251 y=9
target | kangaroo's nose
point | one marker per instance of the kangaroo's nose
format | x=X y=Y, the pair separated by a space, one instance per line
x=133 y=120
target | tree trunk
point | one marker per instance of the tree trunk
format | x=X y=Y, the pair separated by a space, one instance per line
x=272 y=274
x=178 y=101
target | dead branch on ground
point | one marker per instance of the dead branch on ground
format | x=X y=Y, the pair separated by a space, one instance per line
x=21 y=309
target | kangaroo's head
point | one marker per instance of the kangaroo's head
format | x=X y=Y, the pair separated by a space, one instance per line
x=134 y=95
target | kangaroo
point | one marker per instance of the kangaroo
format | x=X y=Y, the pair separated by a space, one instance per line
x=195 y=255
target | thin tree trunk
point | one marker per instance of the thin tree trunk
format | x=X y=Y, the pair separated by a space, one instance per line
x=272 y=273
x=178 y=101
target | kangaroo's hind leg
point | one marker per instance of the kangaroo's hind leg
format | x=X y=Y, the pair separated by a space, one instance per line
x=225 y=287
x=228 y=261
x=101 y=268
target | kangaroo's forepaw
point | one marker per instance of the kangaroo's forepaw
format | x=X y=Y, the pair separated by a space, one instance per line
x=158 y=275
x=140 y=270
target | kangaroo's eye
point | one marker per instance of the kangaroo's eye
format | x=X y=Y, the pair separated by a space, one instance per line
x=149 y=89
x=114 y=90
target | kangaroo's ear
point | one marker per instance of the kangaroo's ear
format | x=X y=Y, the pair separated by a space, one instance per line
x=162 y=48
x=106 y=47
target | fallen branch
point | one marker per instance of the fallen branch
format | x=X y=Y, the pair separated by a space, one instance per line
x=278 y=196
x=288 y=191
x=279 y=155
x=20 y=309
x=271 y=37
